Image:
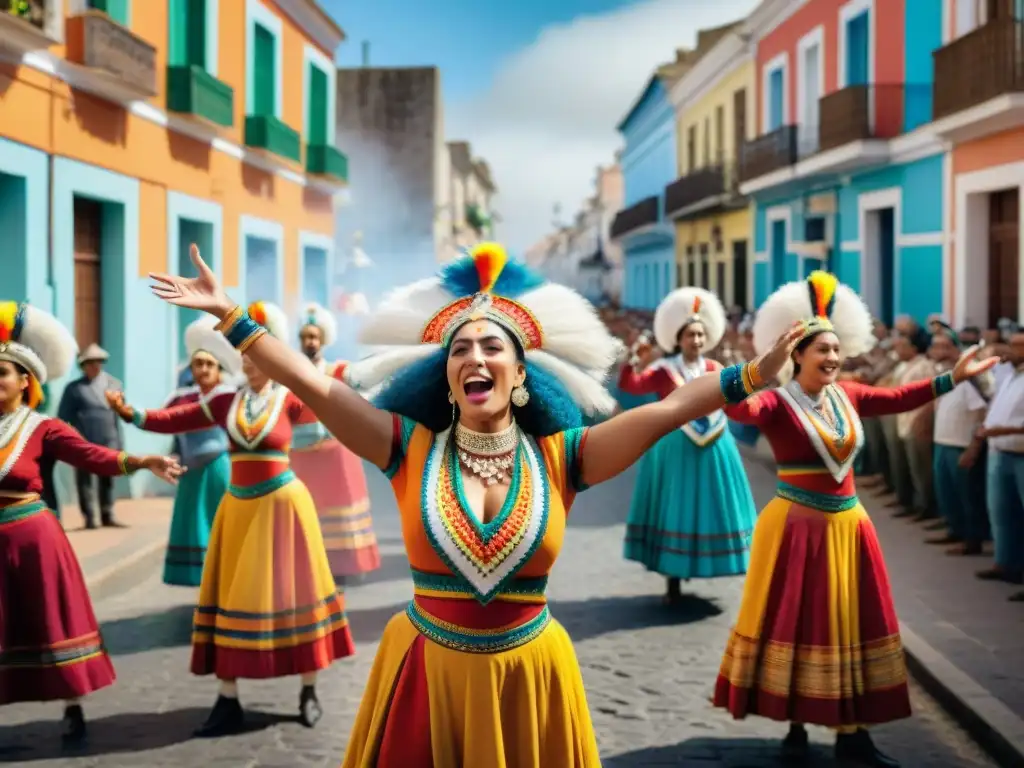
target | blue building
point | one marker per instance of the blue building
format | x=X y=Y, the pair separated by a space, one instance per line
x=648 y=165
x=846 y=172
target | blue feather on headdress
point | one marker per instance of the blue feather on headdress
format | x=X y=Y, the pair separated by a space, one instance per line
x=487 y=269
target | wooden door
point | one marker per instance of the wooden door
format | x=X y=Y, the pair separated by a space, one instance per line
x=88 y=272
x=1003 y=256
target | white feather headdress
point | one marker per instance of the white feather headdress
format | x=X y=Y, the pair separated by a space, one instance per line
x=822 y=303
x=557 y=328
x=684 y=306
x=320 y=317
x=202 y=336
x=271 y=317
x=35 y=340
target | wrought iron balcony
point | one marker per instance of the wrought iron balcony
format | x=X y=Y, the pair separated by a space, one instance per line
x=638 y=215
x=865 y=112
x=702 y=189
x=194 y=91
x=124 y=63
x=769 y=153
x=979 y=66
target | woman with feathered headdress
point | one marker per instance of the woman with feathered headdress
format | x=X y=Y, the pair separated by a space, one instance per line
x=487 y=372
x=692 y=511
x=212 y=361
x=268 y=605
x=817 y=640
x=50 y=641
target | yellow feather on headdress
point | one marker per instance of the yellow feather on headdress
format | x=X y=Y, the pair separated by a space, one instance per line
x=490 y=260
x=822 y=287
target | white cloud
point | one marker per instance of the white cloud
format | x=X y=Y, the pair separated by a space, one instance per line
x=549 y=118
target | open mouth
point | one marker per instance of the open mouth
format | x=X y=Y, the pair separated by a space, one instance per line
x=829 y=369
x=477 y=390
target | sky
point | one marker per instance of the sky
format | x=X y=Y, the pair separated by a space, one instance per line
x=537 y=86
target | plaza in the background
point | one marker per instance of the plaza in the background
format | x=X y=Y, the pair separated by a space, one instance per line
x=131 y=129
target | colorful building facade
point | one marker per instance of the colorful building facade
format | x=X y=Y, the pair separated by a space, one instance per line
x=714 y=222
x=132 y=128
x=979 y=109
x=648 y=161
x=847 y=170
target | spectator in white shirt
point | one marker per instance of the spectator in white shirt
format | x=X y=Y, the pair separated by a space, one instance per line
x=1004 y=431
x=915 y=427
x=959 y=458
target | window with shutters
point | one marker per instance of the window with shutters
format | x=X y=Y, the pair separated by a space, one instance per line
x=317 y=125
x=264 y=74
x=189 y=36
x=115 y=9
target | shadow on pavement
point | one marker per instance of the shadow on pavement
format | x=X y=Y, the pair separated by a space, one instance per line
x=117 y=734
x=171 y=628
x=720 y=753
x=586 y=619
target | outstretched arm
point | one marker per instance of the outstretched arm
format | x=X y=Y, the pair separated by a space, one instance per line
x=64 y=443
x=614 y=445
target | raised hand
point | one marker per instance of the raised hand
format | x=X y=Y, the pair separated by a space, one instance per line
x=771 y=362
x=166 y=468
x=202 y=292
x=968 y=366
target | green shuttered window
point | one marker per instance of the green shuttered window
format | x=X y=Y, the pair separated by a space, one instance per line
x=187 y=33
x=115 y=9
x=264 y=76
x=317 y=106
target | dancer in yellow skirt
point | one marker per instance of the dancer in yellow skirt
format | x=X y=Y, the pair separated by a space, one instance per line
x=479 y=427
x=268 y=606
x=817 y=639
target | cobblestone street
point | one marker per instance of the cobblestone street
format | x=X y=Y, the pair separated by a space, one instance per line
x=648 y=671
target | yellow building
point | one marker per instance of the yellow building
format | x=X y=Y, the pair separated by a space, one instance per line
x=714 y=104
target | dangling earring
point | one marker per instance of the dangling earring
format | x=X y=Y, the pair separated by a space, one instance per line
x=520 y=396
x=451 y=397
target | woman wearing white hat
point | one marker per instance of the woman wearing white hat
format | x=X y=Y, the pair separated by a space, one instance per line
x=204 y=454
x=692 y=512
x=51 y=644
x=817 y=640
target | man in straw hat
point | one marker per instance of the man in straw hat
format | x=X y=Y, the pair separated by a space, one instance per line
x=84 y=407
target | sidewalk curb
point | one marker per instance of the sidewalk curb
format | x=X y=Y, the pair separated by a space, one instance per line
x=996 y=728
x=131 y=570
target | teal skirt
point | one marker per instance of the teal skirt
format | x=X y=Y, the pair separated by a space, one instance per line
x=692 y=513
x=199 y=494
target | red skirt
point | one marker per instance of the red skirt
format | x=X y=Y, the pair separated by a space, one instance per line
x=817 y=639
x=50 y=643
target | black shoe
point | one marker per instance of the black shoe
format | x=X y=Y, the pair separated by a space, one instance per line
x=225 y=717
x=113 y=522
x=73 y=725
x=309 y=707
x=857 y=750
x=795 y=745
x=90 y=524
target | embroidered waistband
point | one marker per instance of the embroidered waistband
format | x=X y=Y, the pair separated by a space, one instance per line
x=469 y=640
x=259 y=456
x=15 y=512
x=446 y=585
x=824 y=502
x=263 y=487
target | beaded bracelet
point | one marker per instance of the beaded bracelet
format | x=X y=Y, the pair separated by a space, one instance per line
x=240 y=329
x=943 y=384
x=122 y=463
x=738 y=382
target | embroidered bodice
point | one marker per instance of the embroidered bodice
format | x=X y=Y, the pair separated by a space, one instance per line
x=665 y=376
x=27 y=436
x=472 y=574
x=258 y=425
x=307 y=431
x=815 y=453
x=201 y=445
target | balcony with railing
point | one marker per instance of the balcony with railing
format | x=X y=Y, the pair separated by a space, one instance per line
x=701 y=190
x=25 y=25
x=769 y=153
x=978 y=67
x=863 y=113
x=638 y=215
x=121 y=65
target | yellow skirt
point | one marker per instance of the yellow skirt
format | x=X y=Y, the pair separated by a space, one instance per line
x=433 y=707
x=817 y=639
x=268 y=605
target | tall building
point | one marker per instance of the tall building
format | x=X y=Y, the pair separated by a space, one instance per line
x=129 y=130
x=466 y=209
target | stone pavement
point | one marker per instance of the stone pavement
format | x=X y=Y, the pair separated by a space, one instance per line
x=648 y=671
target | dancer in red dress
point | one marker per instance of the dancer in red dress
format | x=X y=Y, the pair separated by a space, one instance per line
x=50 y=644
x=333 y=474
x=817 y=640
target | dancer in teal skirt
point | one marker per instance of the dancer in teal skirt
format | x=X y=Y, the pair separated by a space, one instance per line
x=204 y=454
x=692 y=513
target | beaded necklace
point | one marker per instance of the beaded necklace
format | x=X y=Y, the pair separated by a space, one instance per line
x=487 y=456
